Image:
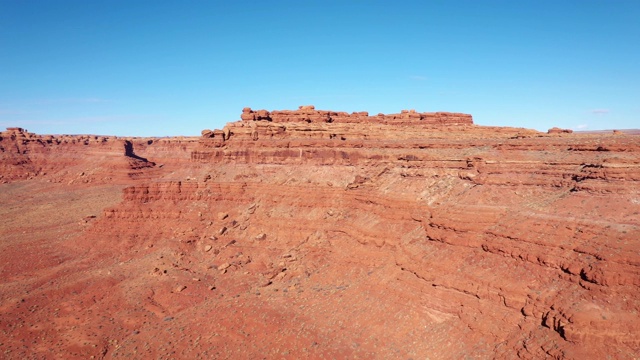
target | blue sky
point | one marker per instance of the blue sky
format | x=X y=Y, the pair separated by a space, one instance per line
x=159 y=68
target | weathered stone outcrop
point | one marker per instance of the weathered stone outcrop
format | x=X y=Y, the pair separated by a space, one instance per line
x=557 y=130
x=407 y=238
x=309 y=114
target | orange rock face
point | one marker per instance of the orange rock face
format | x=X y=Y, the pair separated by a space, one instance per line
x=308 y=234
x=309 y=114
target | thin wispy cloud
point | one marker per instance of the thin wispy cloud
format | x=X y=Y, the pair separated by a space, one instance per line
x=418 y=77
x=79 y=120
x=600 y=111
x=4 y=123
x=582 y=126
x=322 y=97
x=88 y=100
x=30 y=106
x=14 y=112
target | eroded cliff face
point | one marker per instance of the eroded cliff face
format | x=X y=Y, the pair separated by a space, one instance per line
x=87 y=158
x=305 y=233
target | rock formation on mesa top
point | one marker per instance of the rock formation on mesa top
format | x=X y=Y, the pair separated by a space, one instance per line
x=309 y=114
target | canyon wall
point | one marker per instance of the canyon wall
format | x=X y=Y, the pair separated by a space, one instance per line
x=311 y=233
x=99 y=159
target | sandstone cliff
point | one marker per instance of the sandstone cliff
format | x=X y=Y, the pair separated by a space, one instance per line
x=306 y=233
x=309 y=114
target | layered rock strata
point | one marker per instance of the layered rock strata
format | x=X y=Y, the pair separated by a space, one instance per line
x=86 y=158
x=309 y=114
x=316 y=233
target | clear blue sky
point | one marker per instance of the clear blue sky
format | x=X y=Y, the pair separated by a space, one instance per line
x=157 y=68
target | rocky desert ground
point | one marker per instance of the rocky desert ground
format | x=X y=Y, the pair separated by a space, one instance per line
x=311 y=234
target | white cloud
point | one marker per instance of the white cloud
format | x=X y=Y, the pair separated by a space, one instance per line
x=418 y=77
x=582 y=126
x=600 y=111
x=78 y=120
x=71 y=101
x=12 y=112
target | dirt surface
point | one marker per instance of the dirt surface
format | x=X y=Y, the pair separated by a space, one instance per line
x=417 y=236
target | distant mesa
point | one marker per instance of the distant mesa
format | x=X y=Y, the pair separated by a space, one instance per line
x=309 y=114
x=557 y=130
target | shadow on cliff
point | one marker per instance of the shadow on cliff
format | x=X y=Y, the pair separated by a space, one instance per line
x=128 y=152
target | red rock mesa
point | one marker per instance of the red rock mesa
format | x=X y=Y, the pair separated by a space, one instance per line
x=311 y=233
